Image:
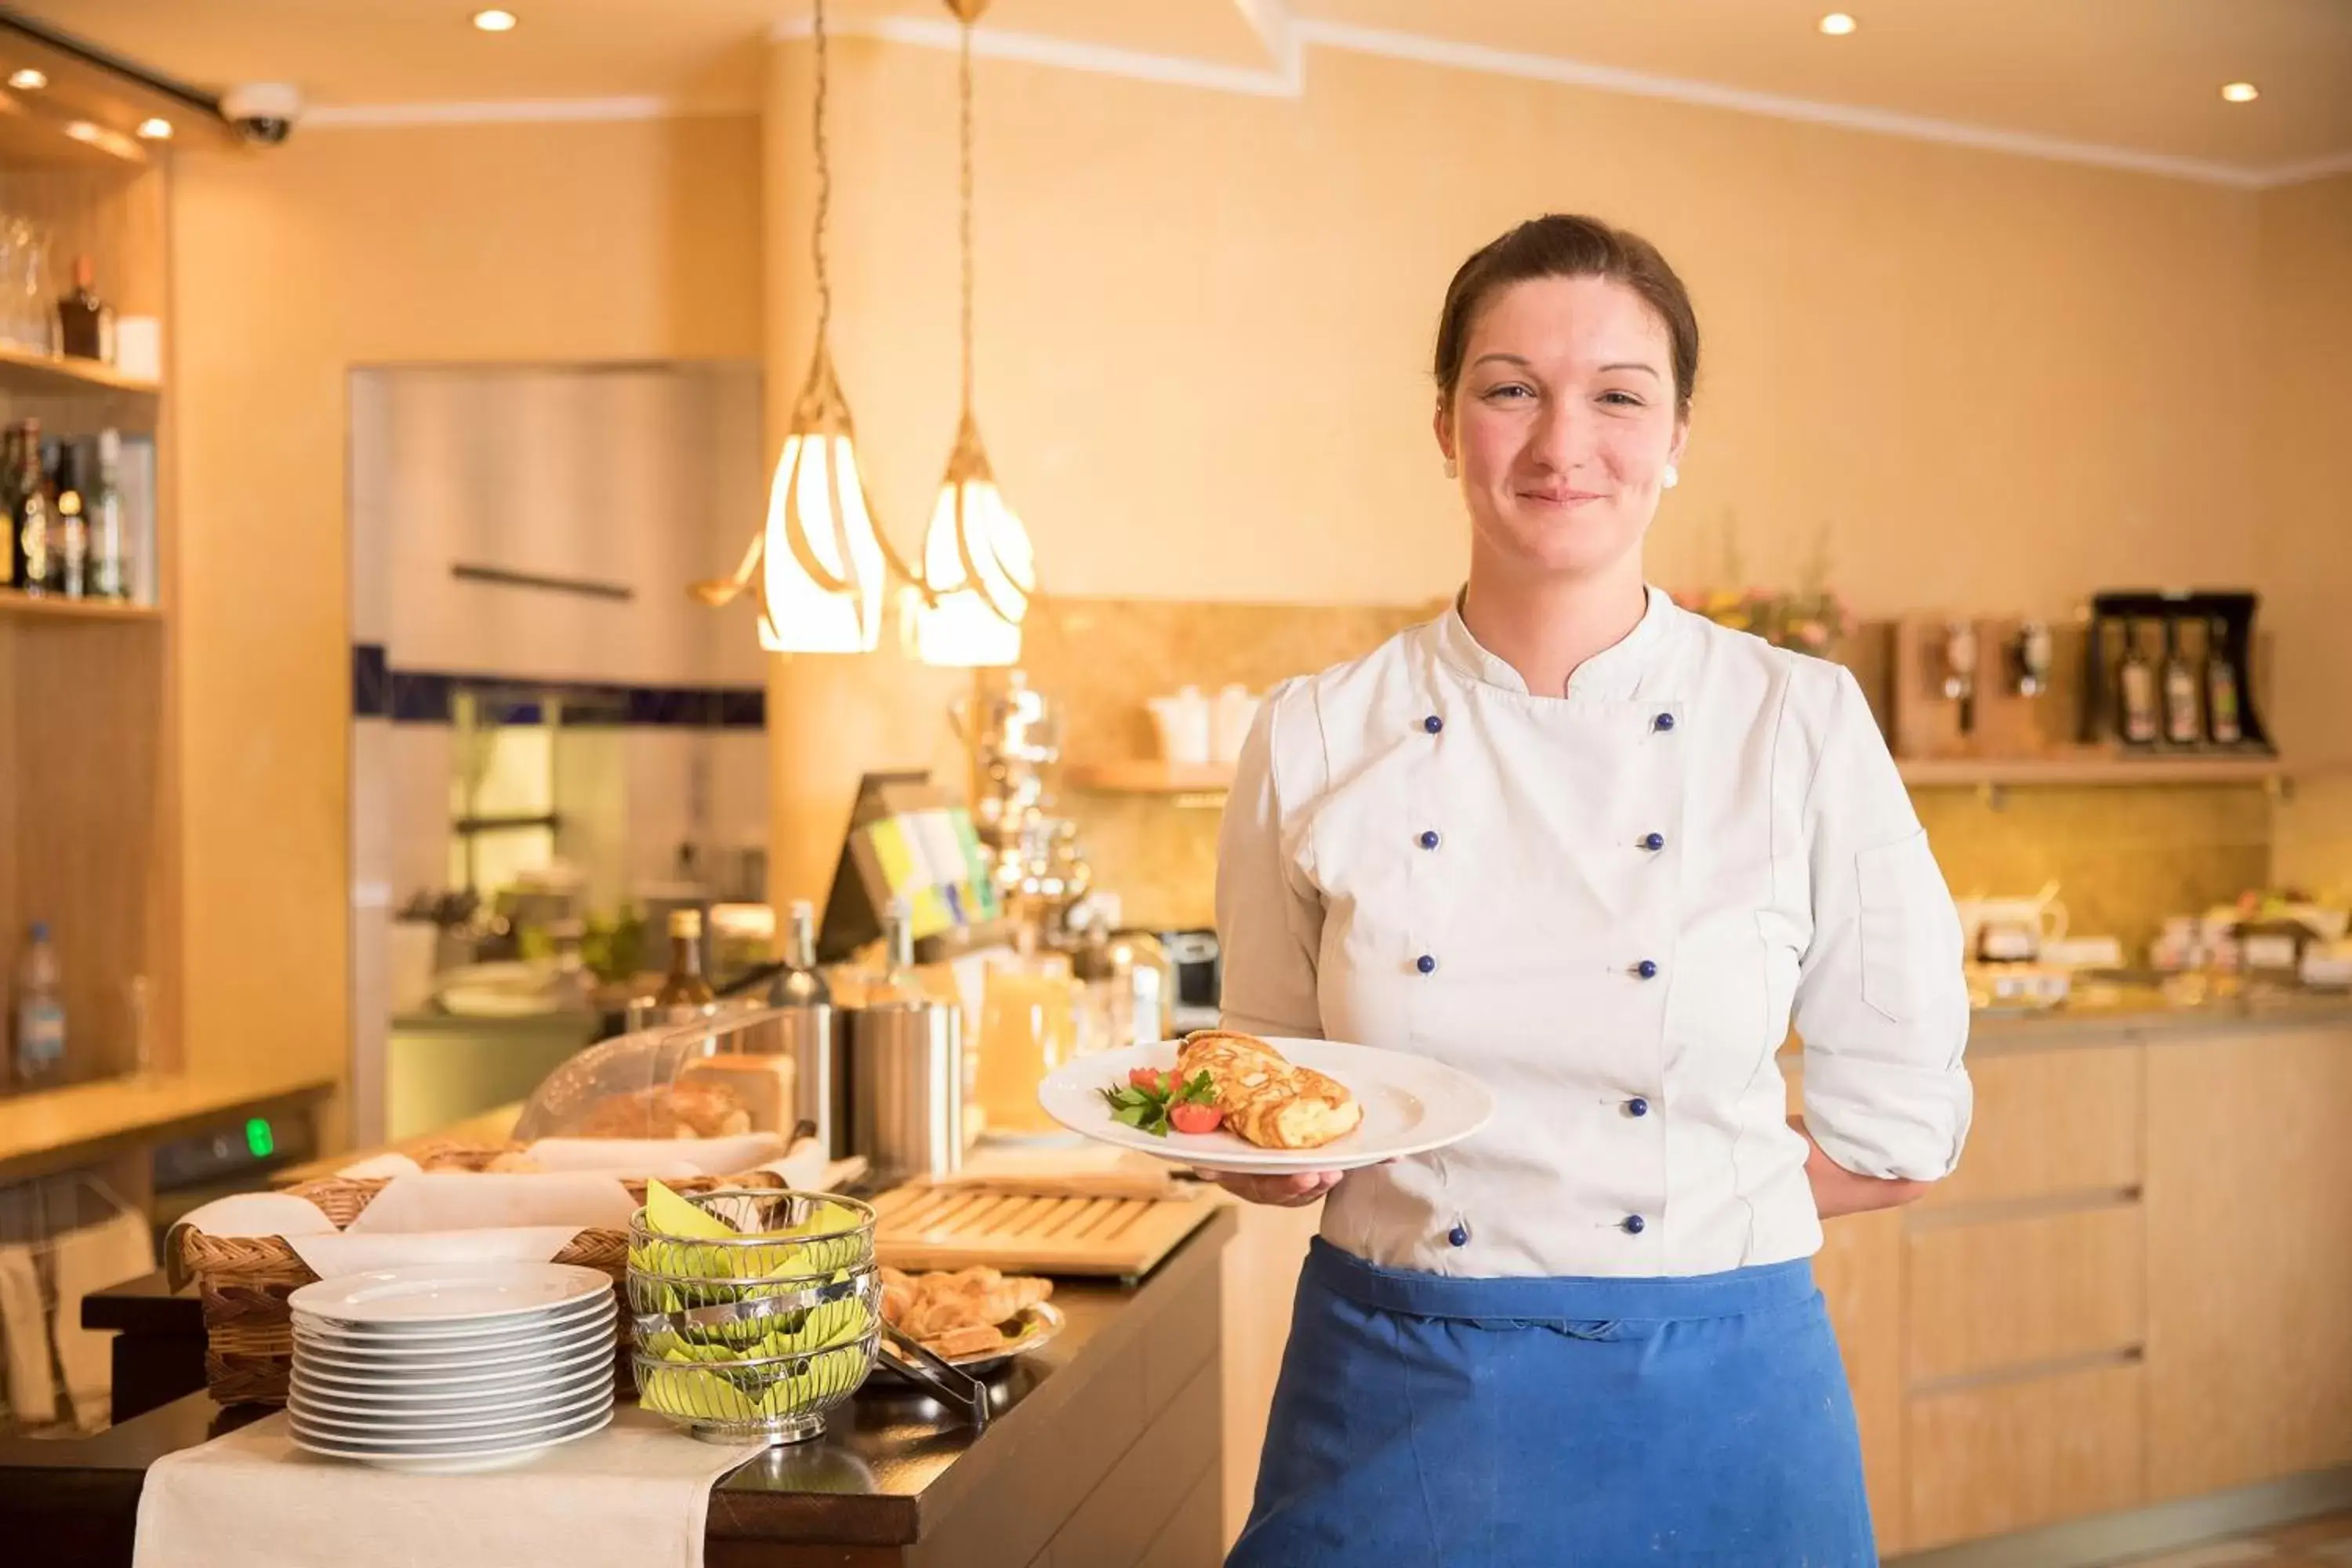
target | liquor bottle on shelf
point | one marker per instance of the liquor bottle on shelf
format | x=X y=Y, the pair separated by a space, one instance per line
x=2135 y=687
x=85 y=321
x=12 y=464
x=30 y=519
x=109 y=576
x=2222 y=723
x=685 y=995
x=40 y=1014
x=2184 y=719
x=73 y=526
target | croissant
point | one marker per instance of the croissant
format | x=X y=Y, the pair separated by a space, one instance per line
x=1267 y=1099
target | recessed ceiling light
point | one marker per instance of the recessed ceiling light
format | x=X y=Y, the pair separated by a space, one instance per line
x=82 y=130
x=1837 y=23
x=2241 y=92
x=157 y=130
x=495 y=21
x=28 y=81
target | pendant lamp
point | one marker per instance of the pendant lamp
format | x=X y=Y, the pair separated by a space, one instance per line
x=977 y=563
x=819 y=567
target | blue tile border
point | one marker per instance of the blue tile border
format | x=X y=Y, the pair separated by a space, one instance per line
x=426 y=697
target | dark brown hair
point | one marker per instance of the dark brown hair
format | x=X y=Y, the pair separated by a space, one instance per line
x=1562 y=245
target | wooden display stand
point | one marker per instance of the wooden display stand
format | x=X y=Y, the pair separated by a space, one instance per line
x=2001 y=721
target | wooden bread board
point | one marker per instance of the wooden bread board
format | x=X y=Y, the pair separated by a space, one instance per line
x=1023 y=1233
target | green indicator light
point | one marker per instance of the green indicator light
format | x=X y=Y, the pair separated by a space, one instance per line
x=259 y=1138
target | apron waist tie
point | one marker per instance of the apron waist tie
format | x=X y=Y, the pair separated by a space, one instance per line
x=1412 y=1293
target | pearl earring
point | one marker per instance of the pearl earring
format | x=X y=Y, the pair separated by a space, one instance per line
x=1451 y=471
x=1671 y=477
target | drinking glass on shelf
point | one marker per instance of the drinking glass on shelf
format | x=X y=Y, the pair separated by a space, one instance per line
x=12 y=277
x=26 y=308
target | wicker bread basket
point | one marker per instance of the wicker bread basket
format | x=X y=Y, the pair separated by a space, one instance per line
x=244 y=1280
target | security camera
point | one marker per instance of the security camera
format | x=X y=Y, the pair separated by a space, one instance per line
x=264 y=113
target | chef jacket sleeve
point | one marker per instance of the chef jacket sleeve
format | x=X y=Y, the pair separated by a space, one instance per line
x=1269 y=913
x=1881 y=1003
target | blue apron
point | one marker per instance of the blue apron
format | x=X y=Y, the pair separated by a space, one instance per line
x=1427 y=1422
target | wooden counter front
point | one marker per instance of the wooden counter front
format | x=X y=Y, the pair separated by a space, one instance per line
x=54 y=1130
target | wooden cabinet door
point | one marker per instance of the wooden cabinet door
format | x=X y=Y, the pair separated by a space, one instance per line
x=2249 y=1216
x=2005 y=1295
x=1860 y=1270
x=2048 y=1122
x=2010 y=1455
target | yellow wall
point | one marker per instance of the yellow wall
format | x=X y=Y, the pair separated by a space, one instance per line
x=1998 y=383
x=493 y=243
x=1203 y=323
x=2305 y=460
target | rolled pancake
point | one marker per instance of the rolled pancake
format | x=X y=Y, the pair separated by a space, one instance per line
x=1266 y=1099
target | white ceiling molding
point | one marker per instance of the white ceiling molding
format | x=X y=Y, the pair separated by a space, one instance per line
x=1286 y=38
x=1772 y=105
x=1277 y=29
x=2308 y=170
x=1063 y=54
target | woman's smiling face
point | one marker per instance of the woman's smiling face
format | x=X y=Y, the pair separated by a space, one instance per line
x=1562 y=422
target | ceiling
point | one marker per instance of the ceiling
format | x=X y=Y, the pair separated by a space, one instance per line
x=2139 y=75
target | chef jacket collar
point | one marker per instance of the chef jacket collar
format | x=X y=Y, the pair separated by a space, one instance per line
x=1615 y=673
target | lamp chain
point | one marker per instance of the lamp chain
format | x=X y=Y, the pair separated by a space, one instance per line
x=824 y=188
x=964 y=228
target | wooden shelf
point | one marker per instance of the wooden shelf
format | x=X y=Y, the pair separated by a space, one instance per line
x=2095 y=771
x=15 y=603
x=1149 y=777
x=29 y=370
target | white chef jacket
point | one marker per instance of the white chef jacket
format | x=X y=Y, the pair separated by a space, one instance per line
x=1606 y=906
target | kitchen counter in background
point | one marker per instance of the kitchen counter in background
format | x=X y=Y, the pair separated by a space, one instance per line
x=2098 y=1013
x=1104 y=1451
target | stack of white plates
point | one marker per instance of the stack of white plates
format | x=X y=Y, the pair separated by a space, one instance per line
x=452 y=1367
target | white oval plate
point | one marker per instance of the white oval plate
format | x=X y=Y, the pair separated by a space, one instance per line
x=375 y=1352
x=440 y=1380
x=438 y=1444
x=1412 y=1105
x=454 y=1463
x=538 y=1391
x=602 y=1335
x=430 y=1428
x=443 y=1293
x=546 y=1319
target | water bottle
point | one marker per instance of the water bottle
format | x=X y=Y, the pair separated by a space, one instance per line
x=40 y=1012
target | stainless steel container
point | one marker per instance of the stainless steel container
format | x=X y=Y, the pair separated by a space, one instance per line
x=906 y=1088
x=805 y=1032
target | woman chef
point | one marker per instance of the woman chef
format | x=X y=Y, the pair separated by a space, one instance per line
x=1599 y=853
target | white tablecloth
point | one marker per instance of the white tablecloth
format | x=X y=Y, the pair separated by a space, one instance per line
x=634 y=1496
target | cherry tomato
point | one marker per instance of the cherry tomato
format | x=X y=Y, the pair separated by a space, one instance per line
x=1194 y=1118
x=1151 y=1081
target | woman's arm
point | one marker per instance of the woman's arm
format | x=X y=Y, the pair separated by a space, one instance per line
x=1881 y=1004
x=1837 y=1190
x=1269 y=929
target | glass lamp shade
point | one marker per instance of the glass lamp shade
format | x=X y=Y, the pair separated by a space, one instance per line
x=821 y=591
x=978 y=563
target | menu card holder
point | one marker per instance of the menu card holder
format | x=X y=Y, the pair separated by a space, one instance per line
x=908 y=839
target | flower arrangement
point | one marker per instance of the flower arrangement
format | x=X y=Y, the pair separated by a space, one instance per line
x=1809 y=619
